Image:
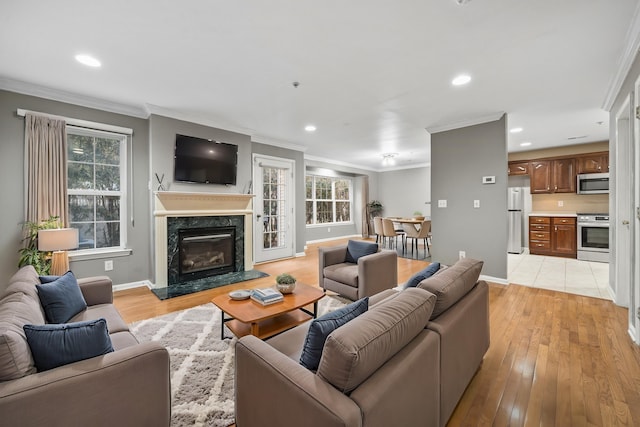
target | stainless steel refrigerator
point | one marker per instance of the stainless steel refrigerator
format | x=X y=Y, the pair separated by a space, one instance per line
x=515 y=202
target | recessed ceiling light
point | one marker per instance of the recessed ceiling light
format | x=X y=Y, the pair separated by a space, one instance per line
x=310 y=128
x=525 y=144
x=460 y=80
x=516 y=130
x=89 y=61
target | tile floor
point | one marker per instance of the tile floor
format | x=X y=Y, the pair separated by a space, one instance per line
x=559 y=274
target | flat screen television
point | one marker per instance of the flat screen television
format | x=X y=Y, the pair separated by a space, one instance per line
x=205 y=161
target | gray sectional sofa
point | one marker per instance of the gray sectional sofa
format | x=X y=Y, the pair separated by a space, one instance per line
x=127 y=387
x=406 y=361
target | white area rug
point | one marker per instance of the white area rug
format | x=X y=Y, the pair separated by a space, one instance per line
x=202 y=365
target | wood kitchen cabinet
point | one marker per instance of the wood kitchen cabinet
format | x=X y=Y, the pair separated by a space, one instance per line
x=593 y=163
x=518 y=168
x=553 y=236
x=553 y=176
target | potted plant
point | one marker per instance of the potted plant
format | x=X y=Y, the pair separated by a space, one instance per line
x=417 y=215
x=375 y=208
x=285 y=283
x=29 y=254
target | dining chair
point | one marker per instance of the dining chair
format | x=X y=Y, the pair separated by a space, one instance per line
x=377 y=228
x=388 y=231
x=424 y=233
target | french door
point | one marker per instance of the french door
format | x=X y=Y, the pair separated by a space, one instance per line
x=273 y=207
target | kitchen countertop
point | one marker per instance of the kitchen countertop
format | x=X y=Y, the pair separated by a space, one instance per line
x=559 y=213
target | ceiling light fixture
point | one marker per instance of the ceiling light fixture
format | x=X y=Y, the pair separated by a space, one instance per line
x=88 y=60
x=516 y=130
x=388 y=159
x=460 y=80
x=525 y=144
x=310 y=128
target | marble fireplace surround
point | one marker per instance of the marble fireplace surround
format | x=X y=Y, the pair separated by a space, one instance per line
x=184 y=205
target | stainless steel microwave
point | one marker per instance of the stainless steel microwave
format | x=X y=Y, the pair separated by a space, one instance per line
x=593 y=183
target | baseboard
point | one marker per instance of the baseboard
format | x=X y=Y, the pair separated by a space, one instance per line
x=300 y=254
x=492 y=279
x=633 y=334
x=132 y=285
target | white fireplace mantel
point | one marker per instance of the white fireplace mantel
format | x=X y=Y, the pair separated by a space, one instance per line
x=184 y=204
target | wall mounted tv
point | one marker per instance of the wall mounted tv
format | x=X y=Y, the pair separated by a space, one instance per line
x=205 y=161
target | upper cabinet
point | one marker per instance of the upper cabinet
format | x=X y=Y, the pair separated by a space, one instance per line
x=518 y=168
x=553 y=176
x=593 y=163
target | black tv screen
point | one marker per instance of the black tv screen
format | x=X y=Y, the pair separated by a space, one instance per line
x=205 y=161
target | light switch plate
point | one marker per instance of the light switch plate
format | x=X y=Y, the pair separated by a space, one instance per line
x=442 y=203
x=476 y=203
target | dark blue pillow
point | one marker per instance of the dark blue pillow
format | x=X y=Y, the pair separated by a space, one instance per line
x=421 y=275
x=359 y=248
x=321 y=327
x=57 y=345
x=61 y=299
x=48 y=279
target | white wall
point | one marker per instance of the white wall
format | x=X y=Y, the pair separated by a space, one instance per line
x=404 y=191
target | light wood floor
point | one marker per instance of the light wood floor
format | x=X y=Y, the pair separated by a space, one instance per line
x=555 y=359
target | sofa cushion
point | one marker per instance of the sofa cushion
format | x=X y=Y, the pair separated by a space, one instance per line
x=321 y=327
x=356 y=350
x=345 y=272
x=422 y=274
x=16 y=310
x=358 y=248
x=55 y=345
x=453 y=283
x=25 y=281
x=61 y=299
x=105 y=311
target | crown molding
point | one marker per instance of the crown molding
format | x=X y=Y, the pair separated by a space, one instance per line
x=338 y=163
x=464 y=123
x=71 y=98
x=261 y=139
x=632 y=45
x=413 y=166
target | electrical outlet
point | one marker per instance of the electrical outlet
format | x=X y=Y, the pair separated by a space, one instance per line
x=462 y=254
x=476 y=203
x=560 y=203
x=328 y=229
x=442 y=203
x=108 y=265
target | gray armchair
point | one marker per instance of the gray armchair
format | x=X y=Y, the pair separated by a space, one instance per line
x=372 y=273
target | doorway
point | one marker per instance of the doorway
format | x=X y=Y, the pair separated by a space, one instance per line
x=273 y=207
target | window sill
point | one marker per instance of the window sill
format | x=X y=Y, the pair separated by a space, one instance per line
x=330 y=224
x=98 y=254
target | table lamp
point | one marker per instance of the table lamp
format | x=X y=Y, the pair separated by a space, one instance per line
x=58 y=240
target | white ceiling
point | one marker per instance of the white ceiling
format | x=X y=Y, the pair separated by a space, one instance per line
x=374 y=75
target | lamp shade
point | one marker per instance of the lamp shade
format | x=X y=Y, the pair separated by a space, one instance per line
x=57 y=239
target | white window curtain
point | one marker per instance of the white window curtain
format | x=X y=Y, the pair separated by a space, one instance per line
x=46 y=166
x=365 y=209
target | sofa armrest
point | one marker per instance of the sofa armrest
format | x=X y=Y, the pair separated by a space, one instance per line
x=129 y=387
x=377 y=272
x=272 y=389
x=96 y=290
x=330 y=256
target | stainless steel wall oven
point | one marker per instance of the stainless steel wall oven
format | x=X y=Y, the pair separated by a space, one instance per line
x=593 y=237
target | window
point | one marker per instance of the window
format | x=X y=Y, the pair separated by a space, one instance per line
x=96 y=186
x=328 y=200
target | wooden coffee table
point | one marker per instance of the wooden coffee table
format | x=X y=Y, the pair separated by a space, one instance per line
x=250 y=317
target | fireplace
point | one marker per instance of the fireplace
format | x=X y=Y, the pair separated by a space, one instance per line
x=177 y=212
x=206 y=252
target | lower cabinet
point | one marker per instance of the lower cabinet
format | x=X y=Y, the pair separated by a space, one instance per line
x=553 y=236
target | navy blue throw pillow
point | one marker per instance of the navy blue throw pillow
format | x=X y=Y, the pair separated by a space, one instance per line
x=359 y=248
x=421 y=275
x=61 y=299
x=57 y=345
x=321 y=327
x=48 y=279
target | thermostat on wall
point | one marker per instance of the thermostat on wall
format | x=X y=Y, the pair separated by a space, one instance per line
x=488 y=179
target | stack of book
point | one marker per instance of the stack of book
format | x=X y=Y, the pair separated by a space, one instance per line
x=266 y=296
